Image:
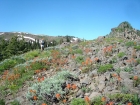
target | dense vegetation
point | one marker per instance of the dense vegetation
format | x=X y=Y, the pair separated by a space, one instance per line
x=14 y=46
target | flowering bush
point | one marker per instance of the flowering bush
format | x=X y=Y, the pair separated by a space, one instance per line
x=50 y=89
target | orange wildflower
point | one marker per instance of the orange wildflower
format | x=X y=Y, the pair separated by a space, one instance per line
x=44 y=104
x=64 y=101
x=57 y=95
x=68 y=86
x=103 y=99
x=39 y=80
x=42 y=78
x=129 y=103
x=74 y=86
x=114 y=75
x=87 y=99
x=35 y=97
x=111 y=103
x=119 y=78
x=135 y=77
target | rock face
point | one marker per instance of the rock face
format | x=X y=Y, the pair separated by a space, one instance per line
x=124 y=30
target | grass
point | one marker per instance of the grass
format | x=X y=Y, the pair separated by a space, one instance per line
x=104 y=68
x=79 y=59
x=32 y=54
x=137 y=47
x=130 y=43
x=11 y=62
x=78 y=101
x=121 y=54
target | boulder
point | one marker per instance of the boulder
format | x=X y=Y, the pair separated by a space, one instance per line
x=94 y=94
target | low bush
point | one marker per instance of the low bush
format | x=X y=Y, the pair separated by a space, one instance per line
x=121 y=54
x=51 y=87
x=30 y=55
x=9 y=63
x=79 y=59
x=137 y=47
x=130 y=44
x=78 y=101
x=104 y=68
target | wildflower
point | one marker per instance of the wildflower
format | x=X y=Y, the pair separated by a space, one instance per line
x=39 y=80
x=42 y=78
x=57 y=96
x=111 y=103
x=44 y=104
x=135 y=77
x=74 y=86
x=114 y=75
x=87 y=99
x=103 y=99
x=129 y=103
x=64 y=101
x=119 y=78
x=35 y=97
x=68 y=86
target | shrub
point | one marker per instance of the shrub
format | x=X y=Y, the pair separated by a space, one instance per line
x=138 y=61
x=2 y=102
x=49 y=87
x=79 y=59
x=15 y=102
x=97 y=101
x=31 y=54
x=78 y=51
x=9 y=63
x=121 y=54
x=128 y=69
x=104 y=68
x=137 y=47
x=130 y=44
x=78 y=101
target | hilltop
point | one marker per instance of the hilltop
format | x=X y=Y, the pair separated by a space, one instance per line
x=103 y=71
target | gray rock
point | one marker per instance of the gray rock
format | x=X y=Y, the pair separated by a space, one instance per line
x=124 y=75
x=128 y=83
x=94 y=94
x=86 y=81
x=20 y=99
x=93 y=73
x=107 y=75
x=101 y=85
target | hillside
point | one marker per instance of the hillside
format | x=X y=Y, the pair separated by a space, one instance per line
x=104 y=71
x=29 y=36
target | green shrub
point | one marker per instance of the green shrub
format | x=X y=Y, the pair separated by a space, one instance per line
x=2 y=102
x=121 y=54
x=31 y=54
x=97 y=101
x=104 y=68
x=9 y=63
x=137 y=47
x=79 y=59
x=50 y=86
x=128 y=69
x=15 y=102
x=44 y=54
x=77 y=51
x=78 y=101
x=114 y=60
x=129 y=44
x=121 y=98
x=138 y=61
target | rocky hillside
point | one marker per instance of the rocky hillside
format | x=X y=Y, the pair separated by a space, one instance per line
x=125 y=30
x=104 y=71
